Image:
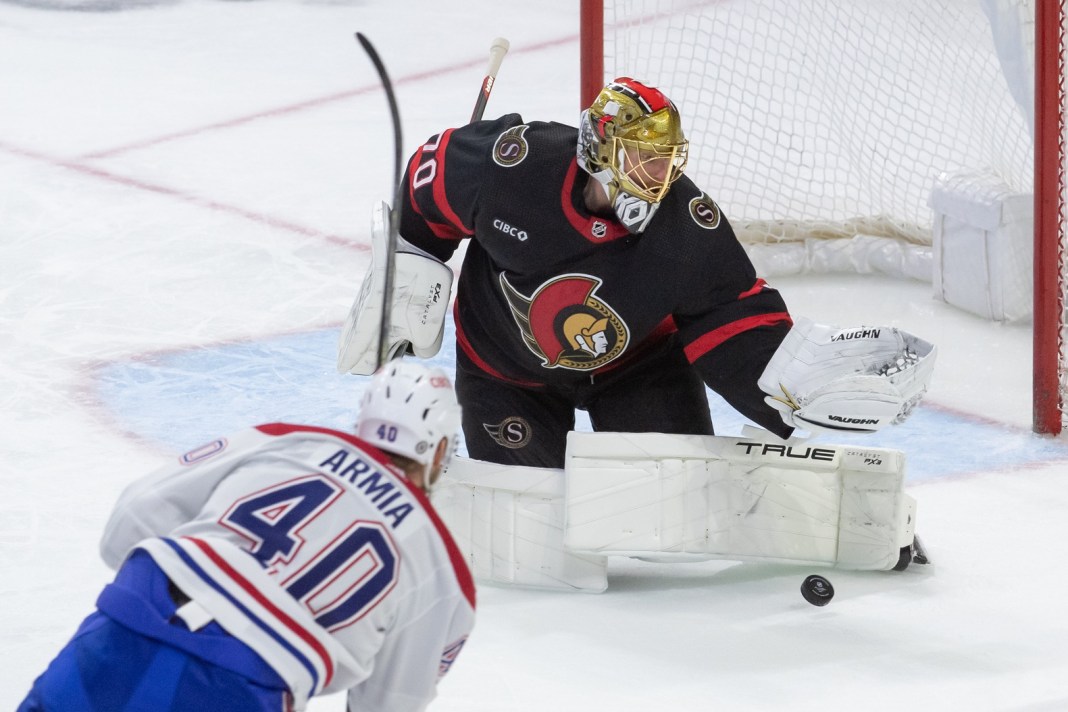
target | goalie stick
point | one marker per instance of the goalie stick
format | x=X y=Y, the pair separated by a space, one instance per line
x=498 y=49
x=394 y=214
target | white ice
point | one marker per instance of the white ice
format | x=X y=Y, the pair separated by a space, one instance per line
x=185 y=189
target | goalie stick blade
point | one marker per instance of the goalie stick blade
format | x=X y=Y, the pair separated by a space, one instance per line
x=914 y=553
x=919 y=552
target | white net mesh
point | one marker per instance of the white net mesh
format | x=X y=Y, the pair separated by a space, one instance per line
x=829 y=118
x=816 y=119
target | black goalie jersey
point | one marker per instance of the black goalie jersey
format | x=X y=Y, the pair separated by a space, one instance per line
x=550 y=294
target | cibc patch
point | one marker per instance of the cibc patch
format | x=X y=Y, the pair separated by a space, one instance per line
x=705 y=212
x=511 y=148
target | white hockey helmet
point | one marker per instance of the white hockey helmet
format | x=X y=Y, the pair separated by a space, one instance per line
x=407 y=409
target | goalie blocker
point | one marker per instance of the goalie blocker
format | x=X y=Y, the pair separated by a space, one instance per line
x=421 y=289
x=681 y=498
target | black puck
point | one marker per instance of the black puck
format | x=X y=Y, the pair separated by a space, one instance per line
x=817 y=590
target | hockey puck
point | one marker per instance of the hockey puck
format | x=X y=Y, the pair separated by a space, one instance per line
x=817 y=590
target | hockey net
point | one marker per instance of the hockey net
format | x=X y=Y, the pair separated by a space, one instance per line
x=822 y=126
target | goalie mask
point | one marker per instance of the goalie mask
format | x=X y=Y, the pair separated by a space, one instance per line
x=631 y=141
x=407 y=410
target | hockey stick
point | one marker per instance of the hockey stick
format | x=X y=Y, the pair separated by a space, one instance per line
x=498 y=49
x=394 y=213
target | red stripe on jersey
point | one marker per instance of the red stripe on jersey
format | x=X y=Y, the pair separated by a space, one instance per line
x=278 y=613
x=459 y=565
x=440 y=230
x=757 y=287
x=279 y=429
x=714 y=338
x=581 y=223
x=454 y=227
x=469 y=350
x=440 y=199
x=665 y=327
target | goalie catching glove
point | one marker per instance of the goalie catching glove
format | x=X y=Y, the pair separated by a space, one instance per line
x=859 y=379
x=420 y=300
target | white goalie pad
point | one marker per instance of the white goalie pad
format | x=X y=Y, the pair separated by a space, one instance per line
x=422 y=286
x=508 y=521
x=736 y=498
x=857 y=379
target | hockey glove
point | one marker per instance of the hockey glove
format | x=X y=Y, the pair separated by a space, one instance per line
x=858 y=379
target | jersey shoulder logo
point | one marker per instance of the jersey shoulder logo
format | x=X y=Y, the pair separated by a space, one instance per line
x=511 y=147
x=565 y=324
x=705 y=212
x=203 y=452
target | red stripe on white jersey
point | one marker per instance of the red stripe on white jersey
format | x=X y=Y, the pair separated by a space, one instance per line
x=245 y=585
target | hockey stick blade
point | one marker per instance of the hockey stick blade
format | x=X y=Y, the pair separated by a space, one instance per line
x=498 y=49
x=919 y=552
x=381 y=355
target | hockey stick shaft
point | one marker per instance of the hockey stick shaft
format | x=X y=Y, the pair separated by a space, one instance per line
x=394 y=213
x=498 y=49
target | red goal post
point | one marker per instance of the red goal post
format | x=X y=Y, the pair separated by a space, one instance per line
x=1050 y=303
x=827 y=128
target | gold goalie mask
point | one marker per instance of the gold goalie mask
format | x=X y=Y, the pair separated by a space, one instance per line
x=631 y=141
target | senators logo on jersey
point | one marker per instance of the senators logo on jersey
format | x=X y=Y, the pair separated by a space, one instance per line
x=513 y=432
x=566 y=325
x=511 y=148
x=705 y=212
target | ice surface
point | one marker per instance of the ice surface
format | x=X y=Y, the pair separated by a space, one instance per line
x=185 y=191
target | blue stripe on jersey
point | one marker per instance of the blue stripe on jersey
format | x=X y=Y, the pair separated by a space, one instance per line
x=263 y=625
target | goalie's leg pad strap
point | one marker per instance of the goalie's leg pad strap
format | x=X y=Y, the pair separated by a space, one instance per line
x=736 y=498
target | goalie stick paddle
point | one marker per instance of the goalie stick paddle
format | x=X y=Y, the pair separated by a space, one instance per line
x=394 y=215
x=498 y=49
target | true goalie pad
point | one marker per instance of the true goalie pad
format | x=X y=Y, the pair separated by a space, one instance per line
x=858 y=379
x=681 y=497
x=677 y=498
x=421 y=289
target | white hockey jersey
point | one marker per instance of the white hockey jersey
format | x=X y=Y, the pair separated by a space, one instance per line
x=303 y=543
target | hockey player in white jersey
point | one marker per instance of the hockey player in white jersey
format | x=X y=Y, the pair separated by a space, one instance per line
x=279 y=564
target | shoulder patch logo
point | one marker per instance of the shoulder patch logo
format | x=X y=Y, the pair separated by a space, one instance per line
x=203 y=452
x=705 y=212
x=511 y=148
